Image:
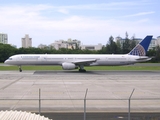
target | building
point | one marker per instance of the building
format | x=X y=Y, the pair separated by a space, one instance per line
x=91 y=47
x=3 y=38
x=158 y=40
x=153 y=44
x=41 y=46
x=121 y=40
x=69 y=44
x=26 y=41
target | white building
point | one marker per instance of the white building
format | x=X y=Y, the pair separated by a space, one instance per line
x=92 y=47
x=153 y=44
x=42 y=46
x=3 y=38
x=26 y=41
x=121 y=40
x=158 y=40
x=70 y=44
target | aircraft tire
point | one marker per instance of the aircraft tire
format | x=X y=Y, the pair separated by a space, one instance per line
x=20 y=70
x=82 y=70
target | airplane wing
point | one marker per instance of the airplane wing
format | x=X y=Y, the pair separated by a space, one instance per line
x=84 y=62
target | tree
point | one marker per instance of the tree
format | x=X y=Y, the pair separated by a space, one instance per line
x=126 y=45
x=6 y=51
x=133 y=43
x=111 y=47
x=127 y=35
x=102 y=51
x=119 y=47
x=157 y=54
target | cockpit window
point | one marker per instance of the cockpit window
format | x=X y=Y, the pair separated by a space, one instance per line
x=10 y=58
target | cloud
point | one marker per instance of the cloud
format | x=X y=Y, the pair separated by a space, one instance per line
x=44 y=27
x=64 y=11
x=140 y=14
x=101 y=6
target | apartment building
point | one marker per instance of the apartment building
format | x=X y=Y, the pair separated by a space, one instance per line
x=26 y=41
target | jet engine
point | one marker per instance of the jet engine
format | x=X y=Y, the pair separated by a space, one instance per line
x=69 y=66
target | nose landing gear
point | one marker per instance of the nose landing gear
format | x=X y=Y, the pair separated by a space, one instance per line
x=20 y=69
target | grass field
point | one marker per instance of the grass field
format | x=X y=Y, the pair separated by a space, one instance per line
x=132 y=67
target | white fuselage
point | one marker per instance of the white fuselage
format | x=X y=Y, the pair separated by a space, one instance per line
x=58 y=59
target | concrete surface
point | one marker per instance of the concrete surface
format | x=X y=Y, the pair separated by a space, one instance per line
x=64 y=91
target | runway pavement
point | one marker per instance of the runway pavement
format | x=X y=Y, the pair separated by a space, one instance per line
x=103 y=116
x=64 y=91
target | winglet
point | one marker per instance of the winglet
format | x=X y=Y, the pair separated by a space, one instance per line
x=141 y=48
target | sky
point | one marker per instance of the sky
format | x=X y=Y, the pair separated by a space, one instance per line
x=90 y=21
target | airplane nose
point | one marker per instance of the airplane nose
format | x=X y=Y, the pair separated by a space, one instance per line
x=6 y=61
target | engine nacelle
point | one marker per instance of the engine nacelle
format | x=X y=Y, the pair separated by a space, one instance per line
x=68 y=66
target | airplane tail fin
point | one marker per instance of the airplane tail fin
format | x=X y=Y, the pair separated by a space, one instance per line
x=141 y=48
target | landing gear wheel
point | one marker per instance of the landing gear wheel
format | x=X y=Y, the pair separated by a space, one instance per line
x=82 y=70
x=20 y=69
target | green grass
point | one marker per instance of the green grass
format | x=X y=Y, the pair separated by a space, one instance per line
x=87 y=68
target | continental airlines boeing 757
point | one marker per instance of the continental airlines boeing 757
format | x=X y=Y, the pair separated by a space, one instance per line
x=75 y=61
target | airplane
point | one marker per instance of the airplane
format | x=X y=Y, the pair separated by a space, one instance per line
x=75 y=61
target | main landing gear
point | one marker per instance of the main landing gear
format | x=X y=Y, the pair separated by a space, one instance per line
x=81 y=68
x=20 y=69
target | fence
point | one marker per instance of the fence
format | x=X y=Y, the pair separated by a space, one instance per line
x=84 y=105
